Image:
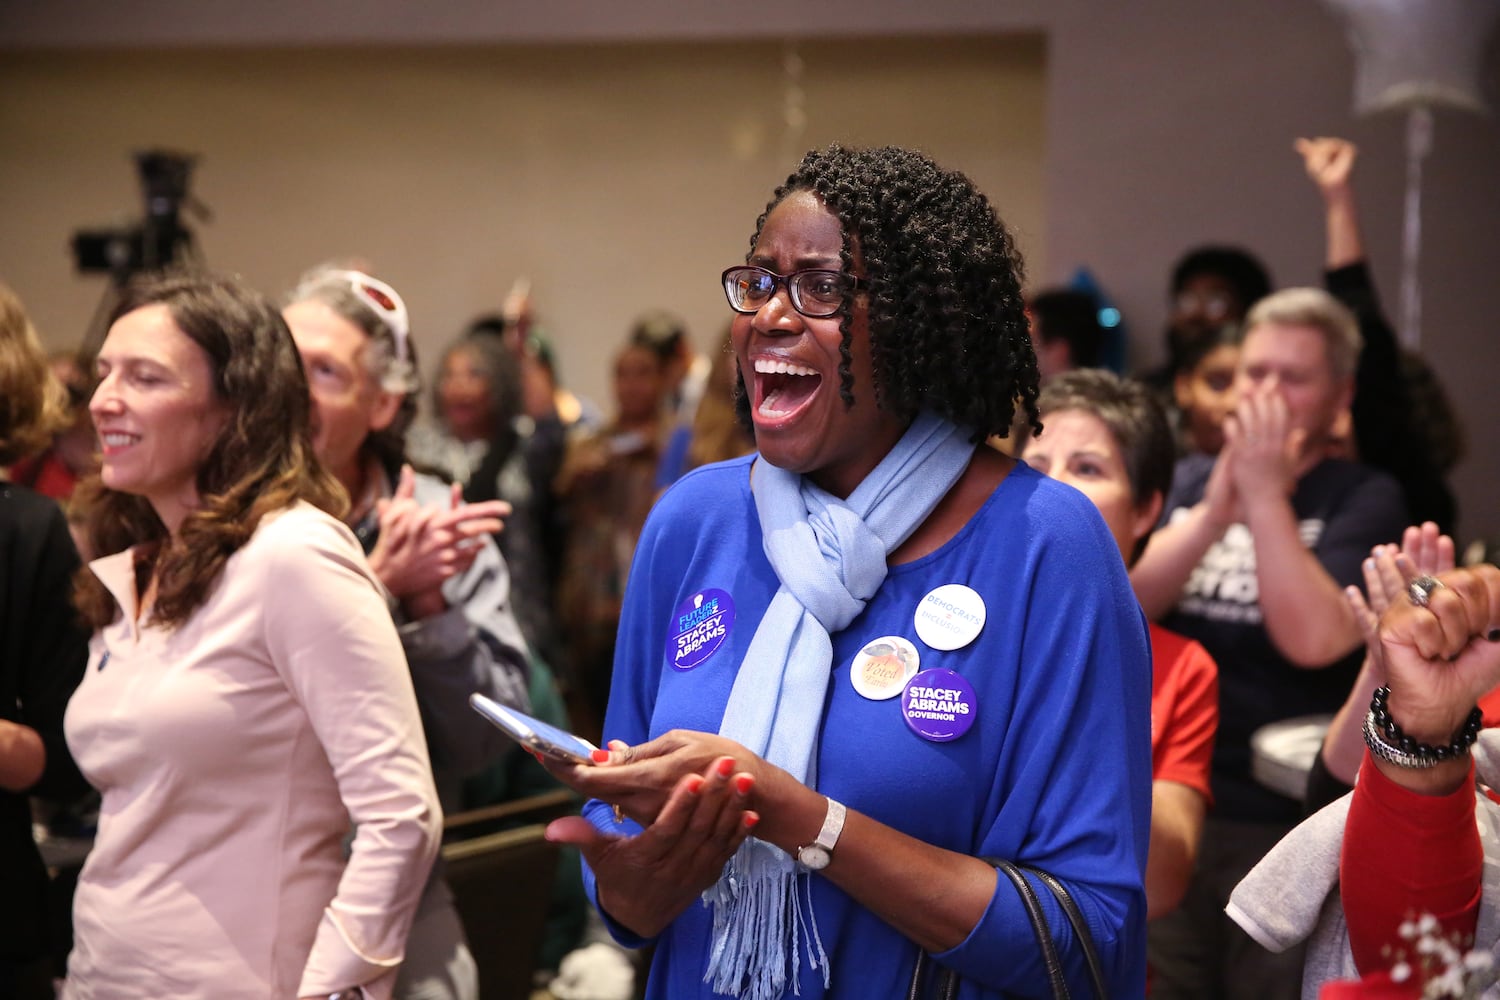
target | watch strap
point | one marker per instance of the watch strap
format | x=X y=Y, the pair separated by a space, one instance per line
x=833 y=826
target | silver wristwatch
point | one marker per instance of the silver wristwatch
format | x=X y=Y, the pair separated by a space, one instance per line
x=815 y=856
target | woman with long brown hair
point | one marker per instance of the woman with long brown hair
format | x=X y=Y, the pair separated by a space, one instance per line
x=246 y=696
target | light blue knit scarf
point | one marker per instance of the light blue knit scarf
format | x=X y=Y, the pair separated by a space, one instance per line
x=776 y=706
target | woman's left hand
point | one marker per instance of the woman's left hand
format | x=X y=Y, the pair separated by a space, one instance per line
x=639 y=780
x=645 y=881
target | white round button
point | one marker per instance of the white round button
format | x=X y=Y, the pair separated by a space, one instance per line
x=883 y=667
x=950 y=617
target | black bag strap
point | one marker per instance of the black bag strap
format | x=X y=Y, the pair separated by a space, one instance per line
x=1080 y=930
x=947 y=979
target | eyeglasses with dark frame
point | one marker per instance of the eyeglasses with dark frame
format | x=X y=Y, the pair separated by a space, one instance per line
x=816 y=293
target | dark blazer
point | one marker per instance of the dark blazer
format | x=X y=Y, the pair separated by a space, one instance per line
x=43 y=653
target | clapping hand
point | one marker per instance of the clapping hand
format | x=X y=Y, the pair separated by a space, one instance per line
x=1388 y=572
x=692 y=828
x=1264 y=449
x=1442 y=656
x=420 y=547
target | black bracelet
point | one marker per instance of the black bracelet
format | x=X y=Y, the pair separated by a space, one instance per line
x=1462 y=740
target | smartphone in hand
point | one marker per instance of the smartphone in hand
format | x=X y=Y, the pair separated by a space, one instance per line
x=533 y=733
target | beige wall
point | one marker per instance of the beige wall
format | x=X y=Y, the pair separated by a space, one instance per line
x=1166 y=123
x=618 y=178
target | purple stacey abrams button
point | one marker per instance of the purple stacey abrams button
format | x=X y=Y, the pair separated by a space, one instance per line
x=699 y=628
x=939 y=705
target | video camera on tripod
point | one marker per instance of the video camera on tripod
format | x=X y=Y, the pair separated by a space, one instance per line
x=161 y=239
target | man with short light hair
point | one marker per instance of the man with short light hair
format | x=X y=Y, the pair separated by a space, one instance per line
x=1251 y=560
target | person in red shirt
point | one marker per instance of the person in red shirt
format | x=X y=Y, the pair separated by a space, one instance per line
x=1110 y=439
x=1411 y=845
x=1404 y=852
x=56 y=470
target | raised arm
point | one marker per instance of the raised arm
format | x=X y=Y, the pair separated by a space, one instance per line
x=1330 y=165
x=1441 y=656
x=1386 y=433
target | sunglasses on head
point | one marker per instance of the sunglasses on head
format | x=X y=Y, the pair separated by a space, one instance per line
x=381 y=298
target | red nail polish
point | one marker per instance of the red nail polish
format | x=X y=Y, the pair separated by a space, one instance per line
x=751 y=819
x=744 y=783
x=695 y=783
x=725 y=767
x=601 y=756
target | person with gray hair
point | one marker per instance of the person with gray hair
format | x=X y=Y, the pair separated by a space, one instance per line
x=1317 y=310
x=433 y=553
x=1254 y=551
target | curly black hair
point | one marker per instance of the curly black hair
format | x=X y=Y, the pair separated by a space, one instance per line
x=946 y=317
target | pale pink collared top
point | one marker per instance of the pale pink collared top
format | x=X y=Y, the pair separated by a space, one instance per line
x=233 y=753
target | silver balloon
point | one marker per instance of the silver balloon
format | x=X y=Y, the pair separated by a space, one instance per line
x=1417 y=53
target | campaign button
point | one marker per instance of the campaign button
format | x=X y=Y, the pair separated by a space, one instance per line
x=699 y=627
x=950 y=617
x=939 y=705
x=883 y=667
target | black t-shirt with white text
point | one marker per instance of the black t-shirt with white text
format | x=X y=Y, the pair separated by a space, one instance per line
x=1342 y=510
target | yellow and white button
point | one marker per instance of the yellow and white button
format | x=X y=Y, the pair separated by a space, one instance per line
x=883 y=667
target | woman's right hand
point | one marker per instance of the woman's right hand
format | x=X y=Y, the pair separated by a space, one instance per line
x=645 y=881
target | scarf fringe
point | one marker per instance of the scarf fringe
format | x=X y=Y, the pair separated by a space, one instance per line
x=829 y=558
x=758 y=922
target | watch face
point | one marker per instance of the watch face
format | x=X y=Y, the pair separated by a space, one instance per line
x=814 y=857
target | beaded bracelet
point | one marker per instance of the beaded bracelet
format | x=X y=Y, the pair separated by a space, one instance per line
x=1412 y=752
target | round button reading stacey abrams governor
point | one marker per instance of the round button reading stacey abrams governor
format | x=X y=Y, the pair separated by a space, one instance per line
x=950 y=617
x=939 y=705
x=699 y=628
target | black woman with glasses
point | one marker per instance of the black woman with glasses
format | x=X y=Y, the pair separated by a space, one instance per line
x=856 y=667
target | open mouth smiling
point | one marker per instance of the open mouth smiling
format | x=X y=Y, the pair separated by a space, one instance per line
x=114 y=441
x=782 y=388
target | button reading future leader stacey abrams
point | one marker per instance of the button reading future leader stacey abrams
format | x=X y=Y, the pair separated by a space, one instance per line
x=699 y=627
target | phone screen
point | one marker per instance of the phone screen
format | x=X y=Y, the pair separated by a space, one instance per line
x=533 y=732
